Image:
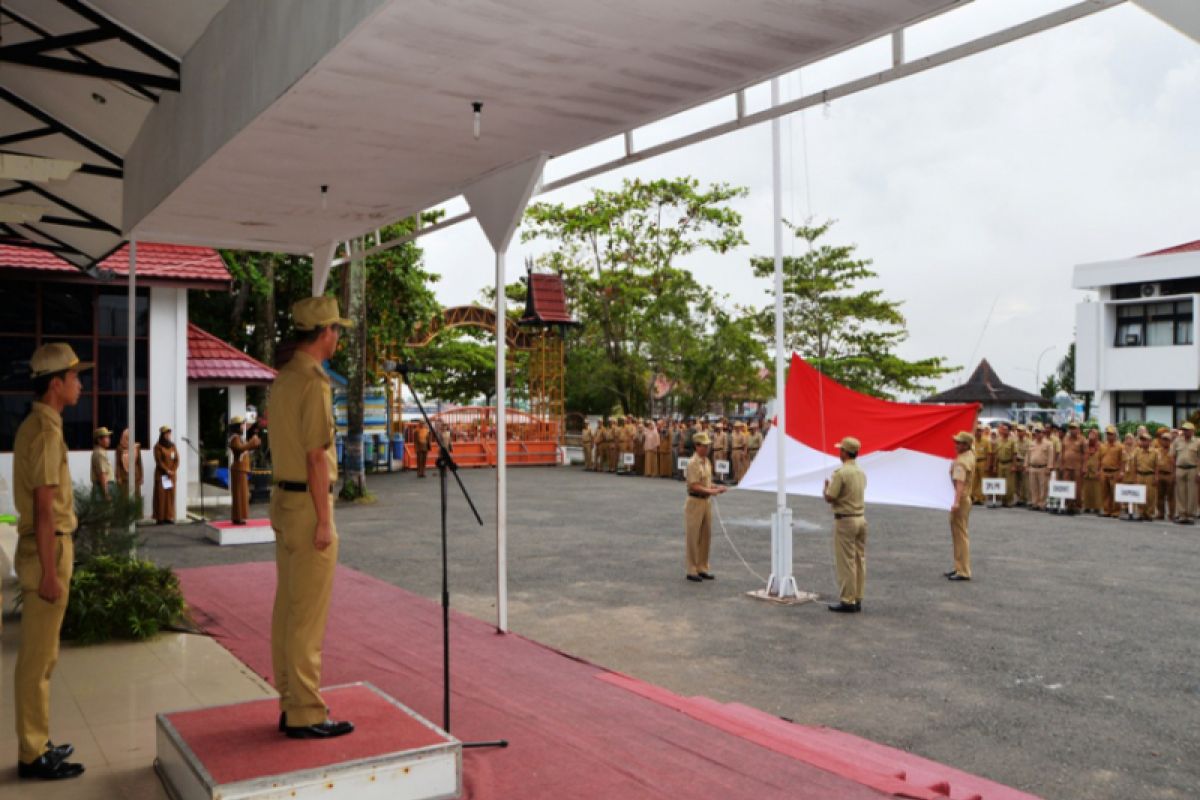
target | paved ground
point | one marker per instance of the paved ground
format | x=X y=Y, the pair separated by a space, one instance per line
x=1068 y=668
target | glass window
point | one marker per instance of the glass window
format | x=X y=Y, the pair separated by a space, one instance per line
x=78 y=427
x=112 y=412
x=13 y=409
x=66 y=309
x=1160 y=333
x=112 y=367
x=20 y=307
x=113 y=313
x=1131 y=311
x=1130 y=334
x=14 y=363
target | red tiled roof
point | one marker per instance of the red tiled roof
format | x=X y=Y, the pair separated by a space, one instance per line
x=173 y=262
x=1190 y=247
x=546 y=300
x=210 y=359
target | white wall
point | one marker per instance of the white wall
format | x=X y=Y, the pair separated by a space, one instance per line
x=168 y=384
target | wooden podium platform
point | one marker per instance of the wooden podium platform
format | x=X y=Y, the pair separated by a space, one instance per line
x=236 y=752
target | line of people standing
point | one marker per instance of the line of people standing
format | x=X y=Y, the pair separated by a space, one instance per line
x=111 y=477
x=653 y=448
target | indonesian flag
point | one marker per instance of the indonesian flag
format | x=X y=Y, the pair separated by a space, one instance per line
x=906 y=447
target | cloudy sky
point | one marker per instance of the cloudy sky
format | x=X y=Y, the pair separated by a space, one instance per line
x=975 y=187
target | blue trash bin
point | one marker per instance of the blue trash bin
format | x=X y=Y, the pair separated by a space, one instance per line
x=341 y=451
x=397 y=447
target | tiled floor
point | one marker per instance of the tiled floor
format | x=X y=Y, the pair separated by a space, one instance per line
x=103 y=701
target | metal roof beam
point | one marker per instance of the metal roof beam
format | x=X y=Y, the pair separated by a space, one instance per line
x=87 y=169
x=60 y=42
x=56 y=64
x=23 y=105
x=125 y=34
x=97 y=223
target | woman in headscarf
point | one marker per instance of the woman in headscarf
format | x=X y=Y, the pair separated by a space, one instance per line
x=166 y=465
x=123 y=459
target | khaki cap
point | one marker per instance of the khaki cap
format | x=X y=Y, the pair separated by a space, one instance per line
x=55 y=357
x=238 y=420
x=701 y=438
x=1072 y=424
x=165 y=429
x=1187 y=426
x=316 y=312
x=964 y=438
x=850 y=445
x=1145 y=435
x=100 y=433
x=1037 y=428
x=1111 y=429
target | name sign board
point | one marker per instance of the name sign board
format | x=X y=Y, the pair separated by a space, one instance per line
x=995 y=485
x=722 y=467
x=1063 y=490
x=627 y=459
x=681 y=464
x=1130 y=493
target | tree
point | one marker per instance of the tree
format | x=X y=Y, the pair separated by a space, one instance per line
x=847 y=332
x=1050 y=387
x=724 y=366
x=618 y=254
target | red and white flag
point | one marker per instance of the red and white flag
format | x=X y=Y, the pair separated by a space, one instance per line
x=906 y=447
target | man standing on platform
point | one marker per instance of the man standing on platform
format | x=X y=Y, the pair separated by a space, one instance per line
x=961 y=474
x=45 y=556
x=306 y=540
x=1186 y=450
x=697 y=511
x=845 y=491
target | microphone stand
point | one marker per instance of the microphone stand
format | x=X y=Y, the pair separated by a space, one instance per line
x=446 y=466
x=200 y=472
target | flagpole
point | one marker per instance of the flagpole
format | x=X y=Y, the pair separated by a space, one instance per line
x=781 y=583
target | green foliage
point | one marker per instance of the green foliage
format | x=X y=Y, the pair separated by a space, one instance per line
x=1130 y=427
x=106 y=526
x=642 y=313
x=849 y=333
x=1050 y=386
x=122 y=598
x=724 y=366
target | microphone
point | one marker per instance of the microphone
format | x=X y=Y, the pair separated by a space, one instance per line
x=405 y=367
x=186 y=439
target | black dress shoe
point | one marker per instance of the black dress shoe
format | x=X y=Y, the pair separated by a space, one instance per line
x=60 y=750
x=322 y=730
x=957 y=577
x=282 y=721
x=708 y=576
x=694 y=578
x=50 y=767
x=948 y=574
x=845 y=608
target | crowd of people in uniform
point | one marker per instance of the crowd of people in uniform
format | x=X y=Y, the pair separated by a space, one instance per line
x=112 y=477
x=1029 y=457
x=653 y=448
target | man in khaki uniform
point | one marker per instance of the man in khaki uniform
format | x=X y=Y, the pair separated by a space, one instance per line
x=1112 y=460
x=697 y=513
x=239 y=469
x=44 y=497
x=1040 y=456
x=1164 y=478
x=845 y=491
x=102 y=469
x=306 y=540
x=1186 y=450
x=1145 y=462
x=665 y=465
x=754 y=444
x=587 y=446
x=1071 y=459
x=739 y=447
x=1020 y=462
x=961 y=474
x=983 y=453
x=650 y=450
x=1006 y=454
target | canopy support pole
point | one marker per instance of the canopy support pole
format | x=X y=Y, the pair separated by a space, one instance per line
x=131 y=367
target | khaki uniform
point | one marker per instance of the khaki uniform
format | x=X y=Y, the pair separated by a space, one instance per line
x=102 y=472
x=1070 y=466
x=421 y=448
x=739 y=446
x=166 y=465
x=665 y=466
x=1112 y=462
x=756 y=440
x=1040 y=458
x=301 y=414
x=1145 y=467
x=122 y=470
x=1164 y=484
x=1187 y=457
x=650 y=452
x=697 y=517
x=39 y=459
x=1006 y=454
x=1020 y=471
x=587 y=447
x=720 y=451
x=983 y=454
x=962 y=469
x=848 y=487
x=1091 y=479
x=239 y=475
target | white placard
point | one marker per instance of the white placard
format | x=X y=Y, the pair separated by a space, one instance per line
x=627 y=459
x=166 y=483
x=1130 y=493
x=722 y=467
x=1063 y=490
x=996 y=486
x=681 y=464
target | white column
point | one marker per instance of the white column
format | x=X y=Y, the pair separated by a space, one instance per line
x=193 y=433
x=501 y=447
x=180 y=418
x=781 y=583
x=237 y=401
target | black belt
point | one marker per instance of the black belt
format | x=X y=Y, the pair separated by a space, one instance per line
x=846 y=516
x=1112 y=469
x=64 y=533
x=1038 y=466
x=697 y=494
x=298 y=486
x=1145 y=473
x=1185 y=466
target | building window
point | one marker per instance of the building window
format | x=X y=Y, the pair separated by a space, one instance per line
x=1130 y=407
x=94 y=321
x=1168 y=408
x=1154 y=324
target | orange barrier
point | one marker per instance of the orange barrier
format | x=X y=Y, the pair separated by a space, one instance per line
x=471 y=432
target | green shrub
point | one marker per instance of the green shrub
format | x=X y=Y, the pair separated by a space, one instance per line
x=1124 y=428
x=122 y=598
x=106 y=526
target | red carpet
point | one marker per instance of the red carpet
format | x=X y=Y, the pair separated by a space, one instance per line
x=250 y=523
x=240 y=742
x=576 y=731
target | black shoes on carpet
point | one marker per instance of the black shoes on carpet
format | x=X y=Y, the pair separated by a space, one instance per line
x=328 y=729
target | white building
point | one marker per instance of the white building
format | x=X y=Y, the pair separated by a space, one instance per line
x=47 y=299
x=1136 y=347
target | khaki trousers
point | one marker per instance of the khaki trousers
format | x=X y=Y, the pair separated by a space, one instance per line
x=962 y=540
x=41 y=623
x=587 y=456
x=1005 y=471
x=697 y=517
x=1165 y=490
x=1039 y=484
x=1146 y=510
x=422 y=458
x=1108 y=490
x=850 y=557
x=1072 y=475
x=1185 y=492
x=1020 y=485
x=739 y=464
x=304 y=584
x=650 y=459
x=977 y=484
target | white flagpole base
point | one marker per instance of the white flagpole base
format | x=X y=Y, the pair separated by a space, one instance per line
x=781 y=585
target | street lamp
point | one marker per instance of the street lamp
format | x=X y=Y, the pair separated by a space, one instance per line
x=1037 y=373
